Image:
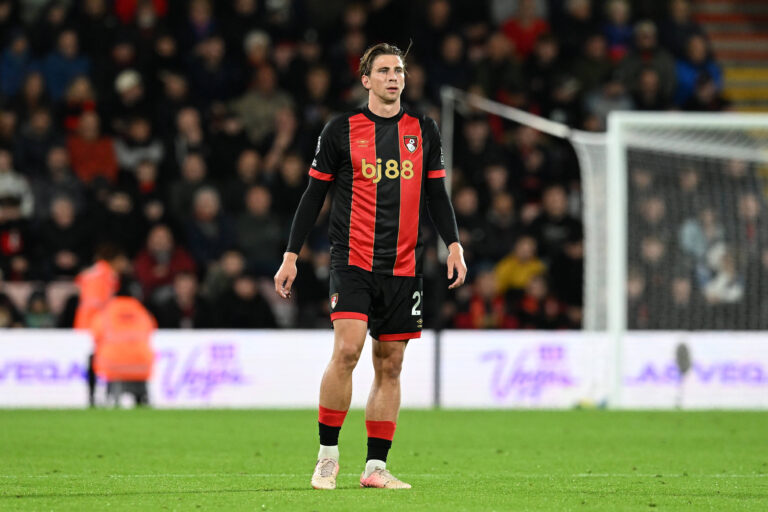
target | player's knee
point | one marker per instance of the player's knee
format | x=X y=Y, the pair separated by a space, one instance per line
x=391 y=366
x=347 y=356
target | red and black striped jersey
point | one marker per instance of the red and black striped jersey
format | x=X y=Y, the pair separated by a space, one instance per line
x=380 y=167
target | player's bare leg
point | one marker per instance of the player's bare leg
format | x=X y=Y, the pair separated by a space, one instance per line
x=381 y=414
x=335 y=396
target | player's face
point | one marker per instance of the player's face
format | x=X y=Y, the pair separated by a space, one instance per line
x=387 y=78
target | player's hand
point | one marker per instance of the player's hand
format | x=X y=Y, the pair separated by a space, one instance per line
x=456 y=264
x=285 y=275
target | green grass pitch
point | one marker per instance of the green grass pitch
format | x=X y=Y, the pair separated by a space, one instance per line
x=456 y=460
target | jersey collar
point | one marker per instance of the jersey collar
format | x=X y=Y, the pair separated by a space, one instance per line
x=378 y=119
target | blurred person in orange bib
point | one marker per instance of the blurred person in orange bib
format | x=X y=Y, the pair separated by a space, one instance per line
x=122 y=333
x=98 y=284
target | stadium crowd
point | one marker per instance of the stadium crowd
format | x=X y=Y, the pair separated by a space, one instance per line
x=182 y=131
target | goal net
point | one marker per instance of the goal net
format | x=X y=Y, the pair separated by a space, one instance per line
x=674 y=211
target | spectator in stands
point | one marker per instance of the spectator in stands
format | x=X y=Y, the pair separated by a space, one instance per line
x=223 y=272
x=524 y=28
x=66 y=240
x=194 y=173
x=706 y=96
x=542 y=69
x=8 y=122
x=617 y=29
x=530 y=167
x=593 y=67
x=698 y=62
x=637 y=303
x=648 y=95
x=137 y=145
x=682 y=306
x=209 y=231
x=64 y=65
x=498 y=73
x=486 y=308
x=199 y=24
x=677 y=29
x=726 y=284
x=17 y=250
x=9 y=313
x=78 y=98
x=317 y=102
x=157 y=264
x=59 y=180
x=131 y=101
x=150 y=195
x=697 y=234
x=653 y=215
x=749 y=228
x=289 y=184
x=554 y=226
x=309 y=289
x=96 y=26
x=228 y=138
x=450 y=66
x=609 y=97
x=32 y=96
x=515 y=271
x=127 y=10
x=502 y=225
x=567 y=271
x=120 y=221
x=281 y=140
x=647 y=53
x=260 y=235
x=258 y=106
x=538 y=309
x=577 y=24
x=92 y=154
x=238 y=29
x=38 y=314
x=185 y=308
x=248 y=174
x=211 y=73
x=15 y=62
x=14 y=186
x=472 y=227
x=477 y=150
x=37 y=137
x=190 y=137
x=243 y=307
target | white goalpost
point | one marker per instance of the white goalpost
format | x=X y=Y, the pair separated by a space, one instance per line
x=674 y=213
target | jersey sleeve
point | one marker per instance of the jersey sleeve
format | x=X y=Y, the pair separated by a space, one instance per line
x=434 y=158
x=326 y=161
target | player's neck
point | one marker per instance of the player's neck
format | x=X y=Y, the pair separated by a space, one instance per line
x=382 y=109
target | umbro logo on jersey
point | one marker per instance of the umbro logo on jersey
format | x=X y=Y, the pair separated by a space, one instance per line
x=411 y=142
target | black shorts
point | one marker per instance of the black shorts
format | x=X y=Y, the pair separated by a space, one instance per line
x=390 y=304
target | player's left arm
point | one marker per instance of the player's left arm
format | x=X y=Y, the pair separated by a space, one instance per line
x=440 y=207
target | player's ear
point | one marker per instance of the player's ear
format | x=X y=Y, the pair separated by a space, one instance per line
x=365 y=81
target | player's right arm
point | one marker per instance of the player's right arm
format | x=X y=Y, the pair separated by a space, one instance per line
x=320 y=179
x=303 y=220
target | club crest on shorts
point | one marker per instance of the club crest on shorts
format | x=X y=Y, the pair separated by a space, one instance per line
x=411 y=142
x=334 y=300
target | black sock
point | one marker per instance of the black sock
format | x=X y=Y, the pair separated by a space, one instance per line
x=329 y=436
x=378 y=448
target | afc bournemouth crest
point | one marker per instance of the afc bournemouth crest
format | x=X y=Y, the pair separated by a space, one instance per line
x=411 y=142
x=334 y=300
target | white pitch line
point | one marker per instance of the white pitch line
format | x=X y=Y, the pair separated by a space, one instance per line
x=417 y=475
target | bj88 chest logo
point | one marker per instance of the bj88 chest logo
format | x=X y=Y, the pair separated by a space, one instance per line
x=390 y=170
